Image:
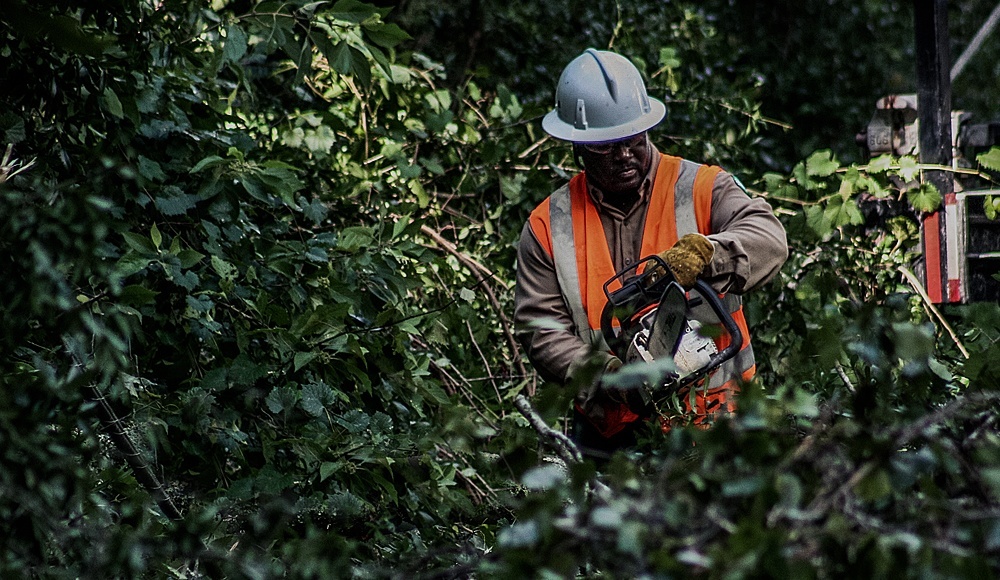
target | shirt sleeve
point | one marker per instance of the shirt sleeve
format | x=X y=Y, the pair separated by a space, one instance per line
x=750 y=243
x=542 y=321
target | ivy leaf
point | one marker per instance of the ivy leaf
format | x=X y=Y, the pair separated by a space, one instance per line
x=818 y=221
x=245 y=372
x=281 y=399
x=315 y=398
x=925 y=198
x=880 y=164
x=908 y=168
x=842 y=212
x=991 y=206
x=355 y=421
x=821 y=164
x=320 y=140
x=773 y=182
x=270 y=481
x=866 y=183
x=990 y=159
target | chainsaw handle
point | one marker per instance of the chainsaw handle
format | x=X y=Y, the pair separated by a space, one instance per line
x=726 y=318
x=641 y=290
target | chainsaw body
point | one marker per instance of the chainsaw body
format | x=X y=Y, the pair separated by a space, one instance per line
x=647 y=319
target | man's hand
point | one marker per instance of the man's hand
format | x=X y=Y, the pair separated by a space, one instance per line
x=688 y=258
x=633 y=396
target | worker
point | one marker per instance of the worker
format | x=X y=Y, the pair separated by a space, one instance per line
x=630 y=201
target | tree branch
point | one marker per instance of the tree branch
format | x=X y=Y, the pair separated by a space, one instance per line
x=482 y=273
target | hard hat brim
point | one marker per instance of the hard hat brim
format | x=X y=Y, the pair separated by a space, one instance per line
x=553 y=125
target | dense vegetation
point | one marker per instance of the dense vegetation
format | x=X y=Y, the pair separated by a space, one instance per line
x=257 y=263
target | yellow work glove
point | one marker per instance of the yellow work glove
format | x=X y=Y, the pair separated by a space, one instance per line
x=688 y=258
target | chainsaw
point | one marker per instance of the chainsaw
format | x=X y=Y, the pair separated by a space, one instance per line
x=647 y=319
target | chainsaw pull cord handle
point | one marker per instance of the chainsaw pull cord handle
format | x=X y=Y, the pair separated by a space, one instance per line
x=726 y=318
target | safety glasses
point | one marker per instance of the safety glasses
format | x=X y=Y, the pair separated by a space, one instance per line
x=606 y=147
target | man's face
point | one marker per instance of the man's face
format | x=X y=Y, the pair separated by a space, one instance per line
x=617 y=167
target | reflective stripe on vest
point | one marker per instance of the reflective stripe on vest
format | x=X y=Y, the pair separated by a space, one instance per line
x=561 y=218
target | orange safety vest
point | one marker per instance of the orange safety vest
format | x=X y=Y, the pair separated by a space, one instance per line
x=569 y=229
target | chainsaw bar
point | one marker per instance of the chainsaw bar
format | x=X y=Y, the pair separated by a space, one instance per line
x=669 y=323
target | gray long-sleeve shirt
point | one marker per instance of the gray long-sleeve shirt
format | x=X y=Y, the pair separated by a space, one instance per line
x=750 y=247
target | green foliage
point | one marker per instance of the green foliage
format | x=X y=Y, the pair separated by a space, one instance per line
x=225 y=235
x=713 y=110
x=863 y=446
x=800 y=75
x=281 y=245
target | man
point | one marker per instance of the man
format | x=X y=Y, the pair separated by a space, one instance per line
x=630 y=202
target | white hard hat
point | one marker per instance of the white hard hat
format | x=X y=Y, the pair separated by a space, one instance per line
x=601 y=97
